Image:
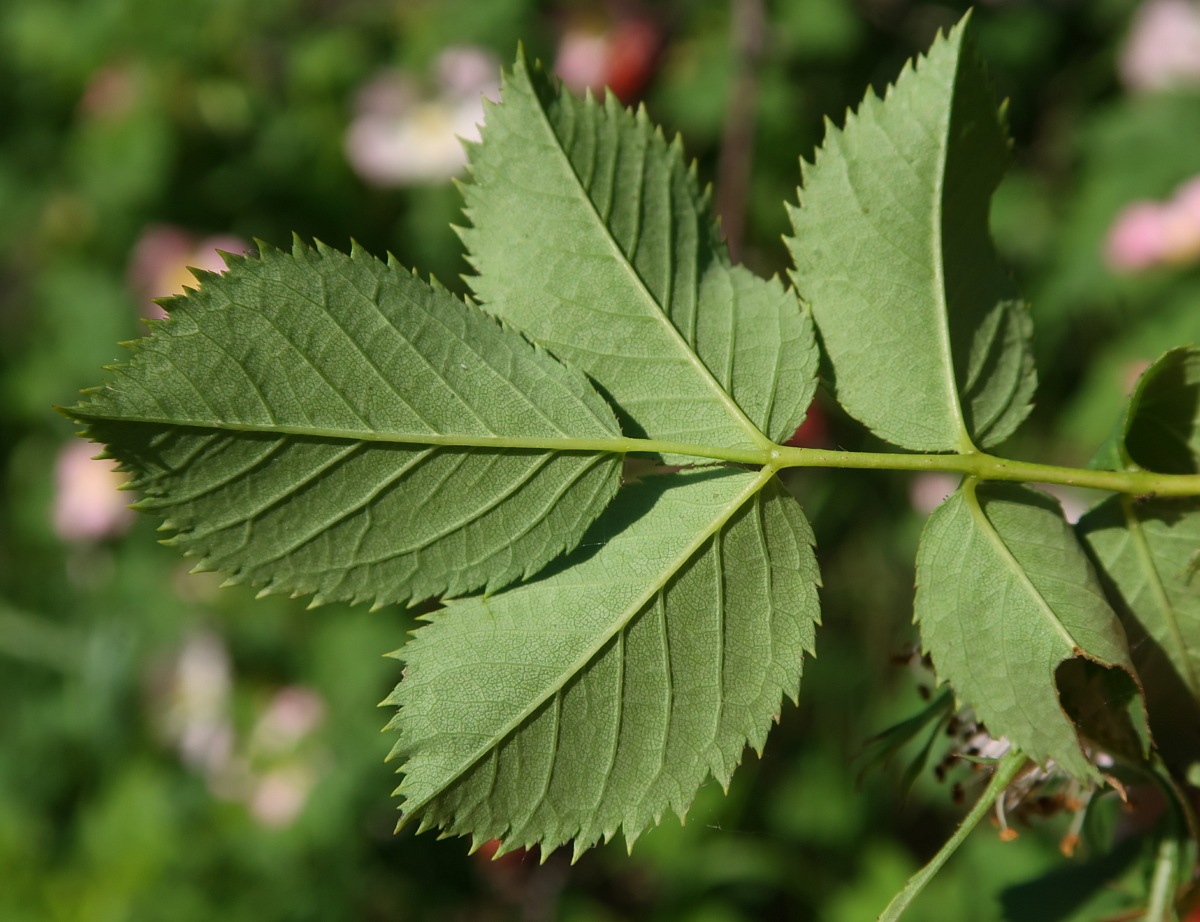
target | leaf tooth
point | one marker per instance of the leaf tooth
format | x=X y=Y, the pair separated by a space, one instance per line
x=469 y=146
x=579 y=846
x=163 y=302
x=436 y=285
x=359 y=252
x=202 y=276
x=632 y=832
x=324 y=251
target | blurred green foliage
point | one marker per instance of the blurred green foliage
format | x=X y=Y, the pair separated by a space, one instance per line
x=226 y=117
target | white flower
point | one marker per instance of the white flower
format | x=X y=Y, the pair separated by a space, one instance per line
x=195 y=706
x=401 y=136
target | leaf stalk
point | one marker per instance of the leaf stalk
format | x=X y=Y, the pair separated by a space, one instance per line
x=974 y=464
x=989 y=467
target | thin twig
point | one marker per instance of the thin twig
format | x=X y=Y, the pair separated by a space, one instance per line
x=749 y=26
x=1006 y=770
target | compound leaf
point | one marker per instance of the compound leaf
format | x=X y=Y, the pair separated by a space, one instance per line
x=926 y=337
x=320 y=423
x=1005 y=596
x=589 y=233
x=598 y=697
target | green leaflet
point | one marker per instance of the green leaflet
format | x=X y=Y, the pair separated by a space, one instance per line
x=925 y=334
x=319 y=423
x=1005 y=596
x=1162 y=424
x=589 y=234
x=1149 y=555
x=597 y=697
x=1147 y=551
x=1160 y=428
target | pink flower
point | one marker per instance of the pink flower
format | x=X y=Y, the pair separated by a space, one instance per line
x=620 y=56
x=402 y=135
x=88 y=504
x=582 y=60
x=293 y=714
x=280 y=794
x=163 y=257
x=928 y=491
x=1147 y=234
x=271 y=770
x=1137 y=238
x=283 y=769
x=111 y=93
x=1162 y=49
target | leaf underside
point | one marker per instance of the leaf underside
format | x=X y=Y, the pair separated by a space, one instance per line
x=1005 y=596
x=317 y=423
x=320 y=423
x=1149 y=555
x=1162 y=427
x=588 y=232
x=892 y=252
x=594 y=699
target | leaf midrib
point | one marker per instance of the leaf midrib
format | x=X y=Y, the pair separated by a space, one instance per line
x=965 y=443
x=1006 y=555
x=616 y=444
x=413 y=807
x=657 y=312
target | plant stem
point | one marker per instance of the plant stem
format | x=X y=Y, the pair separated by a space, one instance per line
x=989 y=467
x=972 y=464
x=1161 y=907
x=748 y=24
x=1006 y=769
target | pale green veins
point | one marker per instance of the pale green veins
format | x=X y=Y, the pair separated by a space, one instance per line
x=333 y=426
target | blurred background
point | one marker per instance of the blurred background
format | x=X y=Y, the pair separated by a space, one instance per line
x=169 y=750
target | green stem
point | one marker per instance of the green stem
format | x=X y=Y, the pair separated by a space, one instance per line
x=1006 y=770
x=971 y=464
x=989 y=467
x=1161 y=907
